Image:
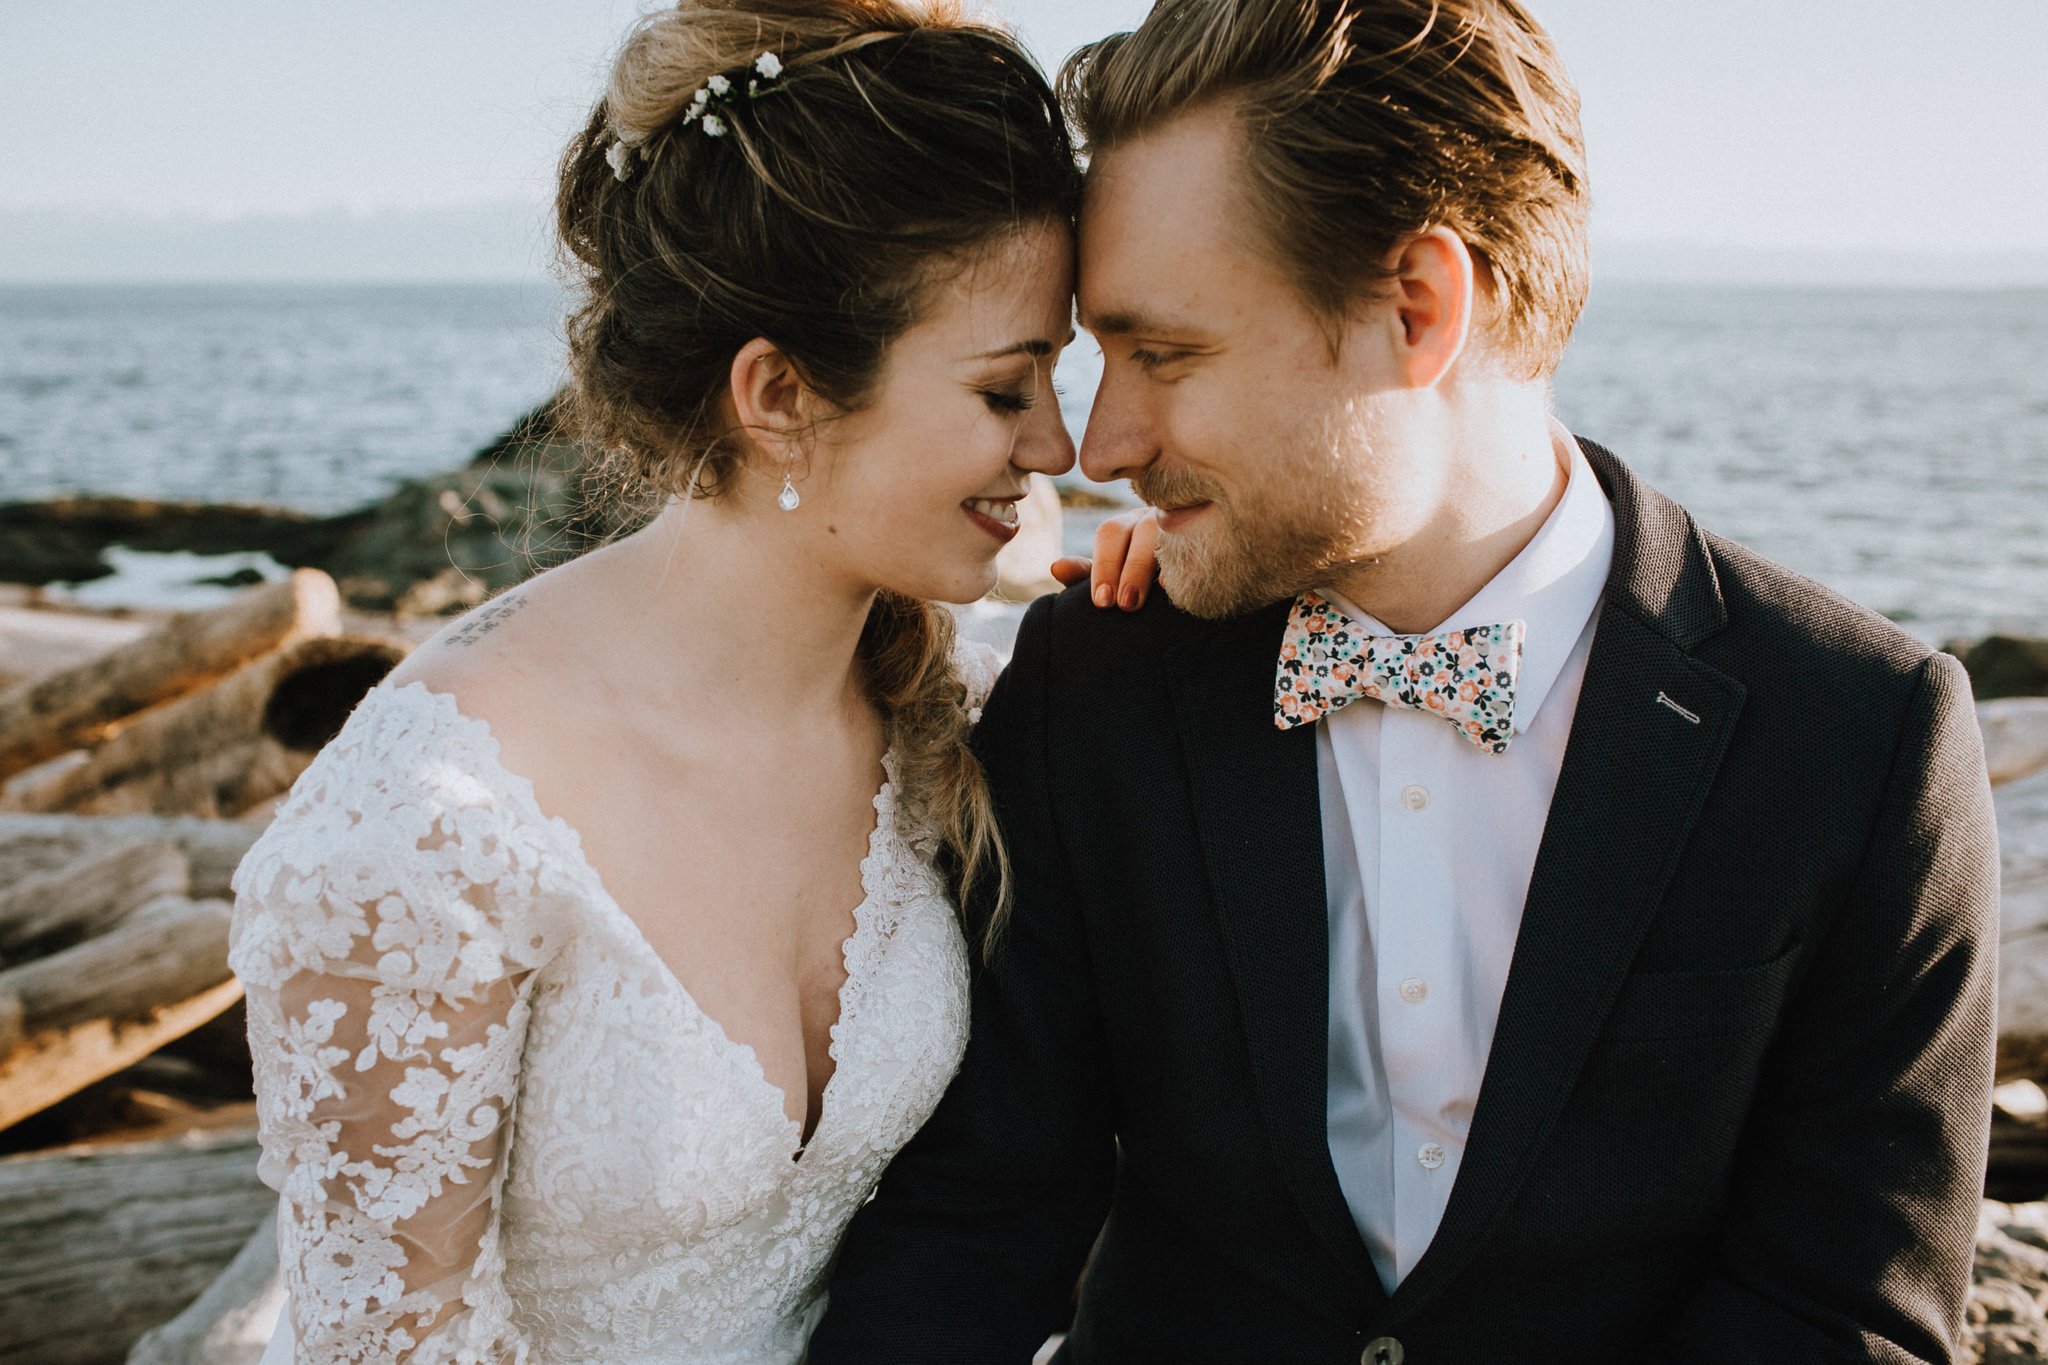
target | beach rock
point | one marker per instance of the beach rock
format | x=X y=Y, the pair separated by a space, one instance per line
x=2006 y=666
x=2007 y=1317
x=2022 y=808
x=2015 y=736
x=438 y=546
x=443 y=545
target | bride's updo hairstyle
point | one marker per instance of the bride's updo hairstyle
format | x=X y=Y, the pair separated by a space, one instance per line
x=885 y=147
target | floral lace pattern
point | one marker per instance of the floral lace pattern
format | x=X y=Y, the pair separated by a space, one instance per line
x=499 y=1127
x=1466 y=676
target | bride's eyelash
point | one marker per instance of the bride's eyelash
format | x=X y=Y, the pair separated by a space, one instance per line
x=1003 y=401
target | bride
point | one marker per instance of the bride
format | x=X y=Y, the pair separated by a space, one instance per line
x=600 y=965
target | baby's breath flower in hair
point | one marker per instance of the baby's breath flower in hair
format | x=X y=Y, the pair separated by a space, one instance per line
x=720 y=88
x=619 y=156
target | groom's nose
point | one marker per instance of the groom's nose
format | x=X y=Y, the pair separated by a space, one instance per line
x=1120 y=439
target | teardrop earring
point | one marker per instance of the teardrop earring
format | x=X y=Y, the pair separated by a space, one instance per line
x=789 y=500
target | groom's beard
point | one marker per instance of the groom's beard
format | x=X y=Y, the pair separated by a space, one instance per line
x=1244 y=552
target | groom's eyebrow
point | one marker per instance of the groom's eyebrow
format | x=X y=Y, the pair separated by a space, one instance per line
x=1126 y=323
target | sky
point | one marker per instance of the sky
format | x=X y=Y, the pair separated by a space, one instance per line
x=222 y=136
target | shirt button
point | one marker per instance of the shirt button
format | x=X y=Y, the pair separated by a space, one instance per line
x=1384 y=1351
x=1431 y=1156
x=1414 y=990
x=1415 y=797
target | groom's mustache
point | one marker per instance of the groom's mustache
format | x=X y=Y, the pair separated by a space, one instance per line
x=1170 y=488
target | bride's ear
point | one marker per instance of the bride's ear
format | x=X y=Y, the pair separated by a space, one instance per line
x=769 y=397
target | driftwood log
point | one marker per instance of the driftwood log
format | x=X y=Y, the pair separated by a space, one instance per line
x=82 y=1014
x=57 y=908
x=76 y=706
x=98 y=1244
x=168 y=950
x=231 y=1323
x=227 y=747
x=32 y=844
x=33 y=643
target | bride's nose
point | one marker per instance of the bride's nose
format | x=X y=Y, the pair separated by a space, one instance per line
x=1043 y=443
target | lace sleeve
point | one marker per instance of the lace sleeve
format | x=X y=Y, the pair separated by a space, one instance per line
x=388 y=943
x=977 y=666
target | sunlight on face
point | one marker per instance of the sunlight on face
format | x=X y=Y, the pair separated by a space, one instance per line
x=1220 y=398
x=920 y=488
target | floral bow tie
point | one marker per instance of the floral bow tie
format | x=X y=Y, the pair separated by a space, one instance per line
x=1466 y=676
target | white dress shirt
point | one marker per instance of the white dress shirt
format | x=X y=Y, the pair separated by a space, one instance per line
x=1428 y=846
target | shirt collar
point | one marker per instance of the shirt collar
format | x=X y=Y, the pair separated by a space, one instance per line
x=1553 y=586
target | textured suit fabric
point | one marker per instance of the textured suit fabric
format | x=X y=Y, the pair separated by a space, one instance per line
x=1736 y=1104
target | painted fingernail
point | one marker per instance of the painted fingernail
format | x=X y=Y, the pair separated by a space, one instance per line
x=1102 y=595
x=1130 y=599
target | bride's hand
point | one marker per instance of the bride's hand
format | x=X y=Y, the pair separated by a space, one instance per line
x=1126 y=560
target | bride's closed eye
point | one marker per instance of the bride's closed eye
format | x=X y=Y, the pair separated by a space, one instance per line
x=1009 y=402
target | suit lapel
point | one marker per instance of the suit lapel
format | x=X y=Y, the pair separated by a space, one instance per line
x=1258 y=811
x=1647 y=739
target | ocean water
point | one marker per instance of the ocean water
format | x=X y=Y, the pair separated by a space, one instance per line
x=1892 y=444
x=317 y=398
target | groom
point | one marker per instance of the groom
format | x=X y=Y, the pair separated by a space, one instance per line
x=1483 y=918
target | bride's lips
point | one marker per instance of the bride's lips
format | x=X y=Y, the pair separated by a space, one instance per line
x=997 y=516
x=1173 y=518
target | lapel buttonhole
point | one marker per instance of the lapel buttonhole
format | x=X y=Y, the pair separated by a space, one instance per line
x=1665 y=701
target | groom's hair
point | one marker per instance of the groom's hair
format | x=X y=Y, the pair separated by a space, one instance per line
x=1367 y=121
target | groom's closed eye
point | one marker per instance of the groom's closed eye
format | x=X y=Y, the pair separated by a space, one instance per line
x=1152 y=360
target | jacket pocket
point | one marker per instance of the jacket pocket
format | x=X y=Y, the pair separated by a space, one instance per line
x=1668 y=1006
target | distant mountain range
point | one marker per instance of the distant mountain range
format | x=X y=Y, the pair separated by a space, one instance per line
x=510 y=240
x=504 y=240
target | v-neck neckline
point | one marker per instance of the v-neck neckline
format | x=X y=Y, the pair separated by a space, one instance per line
x=851 y=948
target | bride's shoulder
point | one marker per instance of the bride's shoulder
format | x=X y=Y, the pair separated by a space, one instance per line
x=407 y=852
x=411 y=819
x=493 y=676
x=475 y=655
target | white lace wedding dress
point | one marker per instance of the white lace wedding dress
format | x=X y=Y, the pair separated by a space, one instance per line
x=500 y=1128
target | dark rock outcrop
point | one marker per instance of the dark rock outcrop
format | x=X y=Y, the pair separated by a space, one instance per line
x=2006 y=666
x=64 y=541
x=432 y=546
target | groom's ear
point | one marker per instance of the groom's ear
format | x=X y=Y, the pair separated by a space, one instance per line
x=1434 y=290
x=769 y=398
